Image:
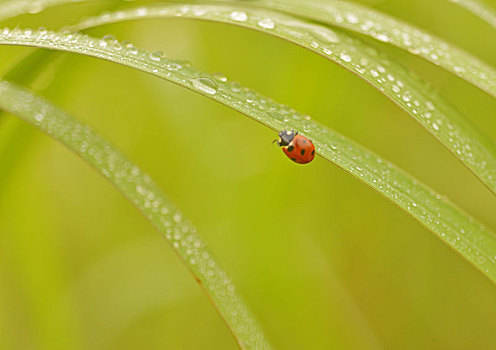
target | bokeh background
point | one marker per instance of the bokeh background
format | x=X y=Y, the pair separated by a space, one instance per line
x=323 y=260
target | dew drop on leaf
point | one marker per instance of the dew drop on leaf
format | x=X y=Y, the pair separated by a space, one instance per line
x=266 y=23
x=174 y=66
x=206 y=85
x=156 y=56
x=239 y=16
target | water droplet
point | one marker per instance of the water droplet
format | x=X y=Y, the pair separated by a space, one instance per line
x=142 y=11
x=131 y=49
x=206 y=85
x=177 y=217
x=140 y=189
x=109 y=38
x=239 y=16
x=266 y=23
x=174 y=66
x=250 y=97
x=156 y=56
x=345 y=57
x=236 y=87
x=382 y=37
x=39 y=117
x=351 y=18
x=199 y=11
x=220 y=76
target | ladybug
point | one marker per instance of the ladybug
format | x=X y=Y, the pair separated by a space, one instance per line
x=298 y=148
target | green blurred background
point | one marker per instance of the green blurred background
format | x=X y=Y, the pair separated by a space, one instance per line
x=323 y=260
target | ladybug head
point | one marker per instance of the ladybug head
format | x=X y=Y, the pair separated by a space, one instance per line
x=285 y=137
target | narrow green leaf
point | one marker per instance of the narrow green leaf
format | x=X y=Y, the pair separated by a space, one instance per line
x=390 y=30
x=479 y=9
x=416 y=97
x=456 y=228
x=357 y=18
x=147 y=197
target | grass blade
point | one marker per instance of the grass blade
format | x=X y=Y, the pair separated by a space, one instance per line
x=479 y=9
x=360 y=19
x=456 y=228
x=390 y=30
x=147 y=197
x=416 y=97
x=468 y=144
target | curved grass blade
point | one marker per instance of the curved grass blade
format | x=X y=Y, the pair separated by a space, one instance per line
x=479 y=9
x=357 y=18
x=457 y=229
x=438 y=116
x=468 y=144
x=147 y=197
x=390 y=30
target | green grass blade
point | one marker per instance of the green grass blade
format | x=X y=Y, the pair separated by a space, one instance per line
x=479 y=9
x=416 y=97
x=433 y=112
x=147 y=197
x=456 y=228
x=362 y=20
x=390 y=30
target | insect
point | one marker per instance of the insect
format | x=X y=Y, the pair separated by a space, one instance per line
x=298 y=148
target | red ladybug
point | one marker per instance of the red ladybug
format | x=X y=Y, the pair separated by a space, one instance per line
x=297 y=147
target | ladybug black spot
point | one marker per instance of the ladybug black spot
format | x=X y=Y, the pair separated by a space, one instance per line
x=304 y=141
x=313 y=152
x=302 y=152
x=293 y=159
x=290 y=148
